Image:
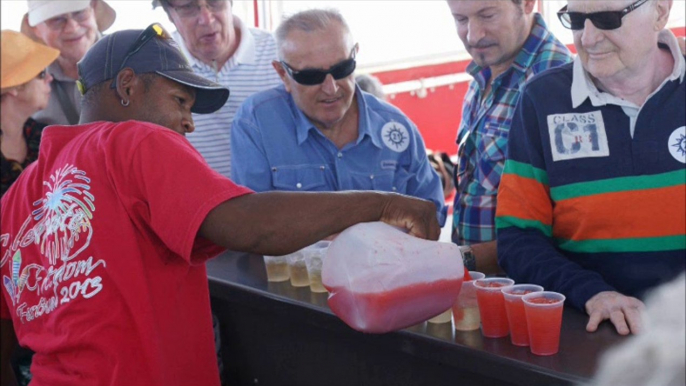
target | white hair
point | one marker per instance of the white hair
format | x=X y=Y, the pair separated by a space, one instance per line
x=309 y=21
x=656 y=357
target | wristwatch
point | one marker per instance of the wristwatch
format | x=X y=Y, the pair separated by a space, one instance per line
x=468 y=257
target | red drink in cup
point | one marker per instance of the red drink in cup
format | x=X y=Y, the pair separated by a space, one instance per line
x=544 y=320
x=519 y=334
x=492 y=306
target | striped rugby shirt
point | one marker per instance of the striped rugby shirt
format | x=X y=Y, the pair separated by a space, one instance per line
x=482 y=136
x=248 y=71
x=584 y=206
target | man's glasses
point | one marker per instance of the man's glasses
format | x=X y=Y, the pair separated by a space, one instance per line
x=606 y=20
x=41 y=75
x=311 y=77
x=58 y=23
x=192 y=9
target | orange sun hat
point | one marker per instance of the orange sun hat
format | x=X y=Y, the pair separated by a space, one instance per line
x=22 y=59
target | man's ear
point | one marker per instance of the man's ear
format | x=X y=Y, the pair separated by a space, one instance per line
x=282 y=73
x=529 y=6
x=126 y=84
x=662 y=7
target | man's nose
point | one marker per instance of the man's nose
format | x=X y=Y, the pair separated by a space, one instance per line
x=187 y=125
x=205 y=16
x=475 y=32
x=329 y=85
x=590 y=35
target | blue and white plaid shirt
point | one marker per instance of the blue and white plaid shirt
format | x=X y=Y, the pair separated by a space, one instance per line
x=482 y=136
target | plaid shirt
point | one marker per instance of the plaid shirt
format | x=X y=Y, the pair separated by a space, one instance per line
x=482 y=136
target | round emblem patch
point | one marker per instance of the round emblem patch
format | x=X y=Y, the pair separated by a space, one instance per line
x=395 y=136
x=677 y=144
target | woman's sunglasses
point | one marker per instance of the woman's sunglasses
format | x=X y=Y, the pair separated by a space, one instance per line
x=606 y=20
x=41 y=75
x=311 y=77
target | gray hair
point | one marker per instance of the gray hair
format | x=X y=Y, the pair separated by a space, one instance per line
x=307 y=21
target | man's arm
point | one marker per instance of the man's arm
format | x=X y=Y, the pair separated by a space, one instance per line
x=276 y=223
x=486 y=257
x=7 y=344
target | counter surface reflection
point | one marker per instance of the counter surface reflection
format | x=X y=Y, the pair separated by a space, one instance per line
x=277 y=334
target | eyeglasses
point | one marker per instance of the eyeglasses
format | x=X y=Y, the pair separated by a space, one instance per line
x=311 y=77
x=58 y=23
x=42 y=75
x=192 y=9
x=606 y=20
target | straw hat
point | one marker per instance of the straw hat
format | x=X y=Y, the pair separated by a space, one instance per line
x=22 y=59
x=42 y=10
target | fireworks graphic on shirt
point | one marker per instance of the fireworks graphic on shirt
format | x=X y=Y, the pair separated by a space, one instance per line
x=64 y=214
x=681 y=145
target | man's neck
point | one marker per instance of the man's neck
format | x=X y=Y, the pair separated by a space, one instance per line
x=635 y=86
x=344 y=131
x=68 y=67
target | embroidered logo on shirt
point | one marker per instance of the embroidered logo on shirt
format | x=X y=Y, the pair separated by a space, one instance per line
x=677 y=144
x=576 y=135
x=389 y=165
x=395 y=136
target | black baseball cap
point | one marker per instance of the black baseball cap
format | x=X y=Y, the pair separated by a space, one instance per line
x=148 y=51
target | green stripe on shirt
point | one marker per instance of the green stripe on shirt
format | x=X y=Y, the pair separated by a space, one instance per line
x=621 y=184
x=509 y=221
x=643 y=244
x=526 y=171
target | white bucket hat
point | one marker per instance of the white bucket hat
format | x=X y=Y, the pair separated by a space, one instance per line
x=42 y=10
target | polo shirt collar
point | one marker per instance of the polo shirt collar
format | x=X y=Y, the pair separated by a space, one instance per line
x=583 y=87
x=303 y=125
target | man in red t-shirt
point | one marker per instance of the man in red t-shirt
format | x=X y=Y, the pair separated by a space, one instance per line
x=103 y=239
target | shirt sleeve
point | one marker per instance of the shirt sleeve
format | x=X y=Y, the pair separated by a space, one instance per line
x=249 y=163
x=426 y=183
x=171 y=189
x=524 y=217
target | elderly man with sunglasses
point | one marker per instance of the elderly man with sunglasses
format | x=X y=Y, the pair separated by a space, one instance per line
x=72 y=27
x=318 y=131
x=591 y=202
x=222 y=48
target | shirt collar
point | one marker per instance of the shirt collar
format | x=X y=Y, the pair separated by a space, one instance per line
x=583 y=87
x=245 y=53
x=524 y=59
x=303 y=125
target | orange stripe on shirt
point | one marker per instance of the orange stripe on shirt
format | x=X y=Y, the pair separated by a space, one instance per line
x=524 y=198
x=632 y=214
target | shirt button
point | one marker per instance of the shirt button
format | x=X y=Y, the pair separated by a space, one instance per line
x=394 y=189
x=340 y=155
x=371 y=177
x=298 y=185
x=273 y=169
x=322 y=167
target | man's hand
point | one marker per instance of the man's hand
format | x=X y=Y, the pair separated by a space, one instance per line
x=415 y=215
x=623 y=311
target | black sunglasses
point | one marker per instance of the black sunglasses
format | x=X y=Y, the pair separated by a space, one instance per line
x=41 y=75
x=606 y=20
x=311 y=77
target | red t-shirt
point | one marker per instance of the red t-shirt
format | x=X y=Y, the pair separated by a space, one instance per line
x=102 y=270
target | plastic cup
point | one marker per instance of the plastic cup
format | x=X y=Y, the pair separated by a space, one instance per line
x=492 y=306
x=314 y=260
x=277 y=268
x=544 y=320
x=297 y=268
x=519 y=334
x=444 y=317
x=466 y=309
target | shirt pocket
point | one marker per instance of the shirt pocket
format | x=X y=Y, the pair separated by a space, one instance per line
x=493 y=149
x=296 y=178
x=386 y=181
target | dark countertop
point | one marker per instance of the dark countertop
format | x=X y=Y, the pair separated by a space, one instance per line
x=274 y=333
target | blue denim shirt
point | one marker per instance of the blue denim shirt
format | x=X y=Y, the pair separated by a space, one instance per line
x=274 y=146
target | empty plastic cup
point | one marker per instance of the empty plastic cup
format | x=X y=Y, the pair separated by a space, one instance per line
x=466 y=309
x=519 y=334
x=544 y=321
x=492 y=306
x=277 y=268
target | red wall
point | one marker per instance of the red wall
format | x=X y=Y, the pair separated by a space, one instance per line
x=438 y=115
